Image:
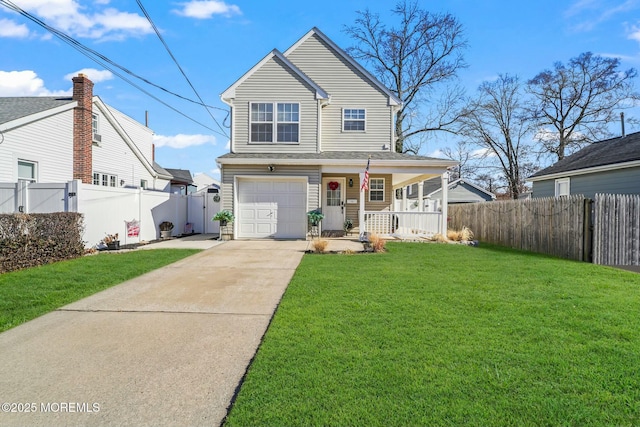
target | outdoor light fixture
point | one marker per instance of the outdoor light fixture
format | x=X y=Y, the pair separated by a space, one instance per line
x=271 y=168
x=350 y=182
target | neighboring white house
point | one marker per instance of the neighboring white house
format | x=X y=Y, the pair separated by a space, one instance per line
x=58 y=139
x=202 y=181
x=304 y=125
x=79 y=154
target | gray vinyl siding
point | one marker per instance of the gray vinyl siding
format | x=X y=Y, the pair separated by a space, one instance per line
x=543 y=188
x=229 y=172
x=621 y=181
x=275 y=82
x=348 y=89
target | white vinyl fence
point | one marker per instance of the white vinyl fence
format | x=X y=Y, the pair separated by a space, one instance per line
x=107 y=210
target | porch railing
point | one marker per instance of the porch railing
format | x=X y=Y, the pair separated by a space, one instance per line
x=404 y=225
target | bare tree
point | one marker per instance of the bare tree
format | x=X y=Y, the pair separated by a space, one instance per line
x=573 y=104
x=413 y=61
x=467 y=155
x=495 y=122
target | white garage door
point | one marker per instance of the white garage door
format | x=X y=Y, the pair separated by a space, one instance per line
x=272 y=209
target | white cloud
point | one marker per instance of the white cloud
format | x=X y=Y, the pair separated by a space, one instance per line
x=206 y=9
x=183 y=141
x=89 y=20
x=8 y=28
x=94 y=75
x=634 y=33
x=437 y=154
x=228 y=145
x=25 y=83
x=215 y=172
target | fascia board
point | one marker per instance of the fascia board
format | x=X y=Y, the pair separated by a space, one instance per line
x=337 y=162
x=585 y=171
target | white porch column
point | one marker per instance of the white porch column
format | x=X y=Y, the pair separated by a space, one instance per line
x=421 y=196
x=404 y=199
x=445 y=202
x=361 y=208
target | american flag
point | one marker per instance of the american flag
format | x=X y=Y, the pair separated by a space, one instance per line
x=365 y=181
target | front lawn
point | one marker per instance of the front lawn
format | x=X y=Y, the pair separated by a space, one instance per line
x=434 y=335
x=29 y=293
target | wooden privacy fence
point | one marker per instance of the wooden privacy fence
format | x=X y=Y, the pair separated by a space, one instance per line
x=616 y=239
x=554 y=226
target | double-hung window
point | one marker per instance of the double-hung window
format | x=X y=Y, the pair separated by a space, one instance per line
x=275 y=122
x=376 y=190
x=353 y=119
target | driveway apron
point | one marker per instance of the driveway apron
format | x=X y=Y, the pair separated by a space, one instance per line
x=168 y=348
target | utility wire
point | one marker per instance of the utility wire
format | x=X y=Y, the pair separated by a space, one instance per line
x=93 y=55
x=164 y=43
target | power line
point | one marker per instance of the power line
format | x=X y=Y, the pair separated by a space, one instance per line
x=88 y=52
x=144 y=11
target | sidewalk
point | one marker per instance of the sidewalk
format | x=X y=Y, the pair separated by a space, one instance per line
x=166 y=349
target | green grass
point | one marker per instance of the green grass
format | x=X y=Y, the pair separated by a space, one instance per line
x=438 y=335
x=29 y=293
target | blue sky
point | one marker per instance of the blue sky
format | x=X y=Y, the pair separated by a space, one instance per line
x=216 y=42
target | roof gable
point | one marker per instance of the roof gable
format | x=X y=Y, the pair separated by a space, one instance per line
x=609 y=152
x=393 y=99
x=434 y=185
x=230 y=93
x=17 y=111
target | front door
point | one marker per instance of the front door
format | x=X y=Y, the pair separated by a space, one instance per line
x=333 y=197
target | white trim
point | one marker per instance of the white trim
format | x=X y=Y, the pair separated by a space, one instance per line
x=33 y=163
x=364 y=120
x=338 y=162
x=393 y=99
x=230 y=92
x=275 y=122
x=558 y=182
x=384 y=187
x=594 y=169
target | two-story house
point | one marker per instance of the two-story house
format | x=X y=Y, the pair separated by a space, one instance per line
x=304 y=124
x=59 y=139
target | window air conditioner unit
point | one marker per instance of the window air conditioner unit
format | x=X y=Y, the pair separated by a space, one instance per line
x=97 y=138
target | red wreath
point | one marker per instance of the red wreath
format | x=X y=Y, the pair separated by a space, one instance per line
x=333 y=185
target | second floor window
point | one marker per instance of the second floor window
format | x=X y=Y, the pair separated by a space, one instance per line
x=281 y=127
x=353 y=120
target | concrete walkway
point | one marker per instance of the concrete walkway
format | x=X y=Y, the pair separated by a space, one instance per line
x=165 y=349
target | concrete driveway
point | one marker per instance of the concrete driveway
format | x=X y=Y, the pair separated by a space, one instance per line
x=165 y=349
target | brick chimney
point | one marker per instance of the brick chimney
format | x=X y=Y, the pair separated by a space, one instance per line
x=82 y=129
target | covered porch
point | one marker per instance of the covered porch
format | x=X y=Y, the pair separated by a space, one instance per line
x=382 y=208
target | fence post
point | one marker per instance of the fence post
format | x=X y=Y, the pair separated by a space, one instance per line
x=587 y=233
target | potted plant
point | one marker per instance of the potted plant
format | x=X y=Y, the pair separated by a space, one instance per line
x=315 y=217
x=224 y=217
x=112 y=242
x=348 y=225
x=165 y=229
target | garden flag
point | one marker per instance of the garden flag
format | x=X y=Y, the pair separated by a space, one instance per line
x=133 y=228
x=365 y=181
